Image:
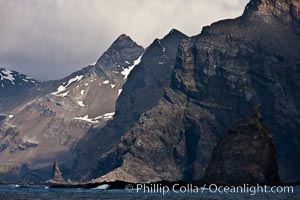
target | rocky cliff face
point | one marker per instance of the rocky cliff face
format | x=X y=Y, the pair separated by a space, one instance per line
x=48 y=126
x=96 y=152
x=219 y=74
x=244 y=154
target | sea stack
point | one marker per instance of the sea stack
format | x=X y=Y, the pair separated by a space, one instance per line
x=57 y=175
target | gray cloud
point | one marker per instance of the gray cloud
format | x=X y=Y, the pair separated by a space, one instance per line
x=51 y=38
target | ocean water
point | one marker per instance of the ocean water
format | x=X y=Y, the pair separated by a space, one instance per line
x=40 y=192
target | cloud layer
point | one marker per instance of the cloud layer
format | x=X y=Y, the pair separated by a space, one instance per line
x=51 y=38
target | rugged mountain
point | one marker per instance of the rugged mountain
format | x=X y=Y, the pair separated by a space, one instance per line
x=141 y=92
x=46 y=128
x=233 y=65
x=13 y=85
x=146 y=83
x=244 y=154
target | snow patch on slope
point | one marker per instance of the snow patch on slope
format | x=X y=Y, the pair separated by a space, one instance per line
x=105 y=82
x=106 y=116
x=8 y=75
x=76 y=78
x=92 y=64
x=80 y=103
x=119 y=92
x=59 y=89
x=63 y=94
x=87 y=119
x=126 y=71
x=62 y=88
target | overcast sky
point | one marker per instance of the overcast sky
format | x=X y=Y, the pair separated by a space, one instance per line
x=48 y=39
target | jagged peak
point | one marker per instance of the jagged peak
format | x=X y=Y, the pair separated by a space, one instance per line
x=175 y=32
x=123 y=37
x=15 y=76
x=124 y=41
x=121 y=44
x=7 y=69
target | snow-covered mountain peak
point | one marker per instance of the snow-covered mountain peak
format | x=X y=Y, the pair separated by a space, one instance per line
x=10 y=78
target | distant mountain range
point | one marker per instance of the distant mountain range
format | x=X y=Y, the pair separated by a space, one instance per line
x=14 y=85
x=166 y=112
x=12 y=79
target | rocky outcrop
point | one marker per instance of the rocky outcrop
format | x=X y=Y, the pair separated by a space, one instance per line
x=57 y=175
x=244 y=154
x=286 y=12
x=143 y=89
x=219 y=75
x=12 y=142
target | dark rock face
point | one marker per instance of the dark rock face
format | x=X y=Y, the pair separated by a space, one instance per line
x=145 y=85
x=57 y=176
x=219 y=75
x=245 y=154
x=142 y=91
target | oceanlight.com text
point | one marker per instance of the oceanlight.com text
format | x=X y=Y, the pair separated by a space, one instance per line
x=211 y=188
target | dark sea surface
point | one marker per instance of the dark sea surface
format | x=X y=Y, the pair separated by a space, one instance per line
x=40 y=192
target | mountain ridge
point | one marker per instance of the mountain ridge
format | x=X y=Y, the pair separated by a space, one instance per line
x=219 y=75
x=158 y=114
x=142 y=90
